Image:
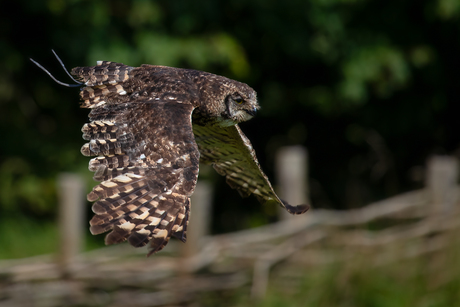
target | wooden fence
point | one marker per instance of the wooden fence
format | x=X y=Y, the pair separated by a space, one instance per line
x=231 y=260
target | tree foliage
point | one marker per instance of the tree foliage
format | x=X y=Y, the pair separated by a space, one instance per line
x=370 y=87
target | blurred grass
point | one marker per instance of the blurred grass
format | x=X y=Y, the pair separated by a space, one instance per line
x=359 y=283
x=22 y=237
x=429 y=280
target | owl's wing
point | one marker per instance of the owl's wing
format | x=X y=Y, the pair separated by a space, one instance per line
x=146 y=159
x=231 y=154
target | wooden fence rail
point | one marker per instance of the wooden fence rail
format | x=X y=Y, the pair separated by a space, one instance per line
x=433 y=209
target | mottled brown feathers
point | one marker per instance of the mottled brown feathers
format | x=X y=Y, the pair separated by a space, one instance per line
x=146 y=151
x=231 y=154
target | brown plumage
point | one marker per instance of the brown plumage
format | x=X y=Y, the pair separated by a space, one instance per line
x=150 y=127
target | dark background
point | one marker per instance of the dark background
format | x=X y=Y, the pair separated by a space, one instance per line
x=370 y=88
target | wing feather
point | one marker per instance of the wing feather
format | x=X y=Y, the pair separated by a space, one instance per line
x=143 y=196
x=145 y=158
x=232 y=155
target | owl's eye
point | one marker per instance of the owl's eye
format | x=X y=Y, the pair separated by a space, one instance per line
x=238 y=100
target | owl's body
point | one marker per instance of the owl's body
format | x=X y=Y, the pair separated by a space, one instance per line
x=150 y=127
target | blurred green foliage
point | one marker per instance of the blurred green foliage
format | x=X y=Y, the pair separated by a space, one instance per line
x=370 y=87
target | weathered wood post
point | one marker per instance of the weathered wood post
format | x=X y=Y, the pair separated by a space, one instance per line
x=200 y=219
x=71 y=217
x=292 y=176
x=441 y=181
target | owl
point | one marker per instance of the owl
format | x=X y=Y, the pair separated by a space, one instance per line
x=150 y=127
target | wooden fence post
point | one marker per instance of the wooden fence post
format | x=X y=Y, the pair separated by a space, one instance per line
x=71 y=220
x=441 y=181
x=292 y=176
x=200 y=219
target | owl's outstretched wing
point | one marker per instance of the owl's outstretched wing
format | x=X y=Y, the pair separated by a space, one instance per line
x=146 y=159
x=231 y=154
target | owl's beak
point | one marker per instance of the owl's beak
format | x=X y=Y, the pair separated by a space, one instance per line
x=252 y=112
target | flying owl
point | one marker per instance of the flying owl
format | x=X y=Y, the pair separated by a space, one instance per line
x=150 y=127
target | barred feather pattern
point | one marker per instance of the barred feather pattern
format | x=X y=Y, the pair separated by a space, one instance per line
x=145 y=186
x=105 y=82
x=145 y=152
x=231 y=154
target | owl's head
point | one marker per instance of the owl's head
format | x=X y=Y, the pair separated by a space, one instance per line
x=232 y=102
x=224 y=101
x=240 y=105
